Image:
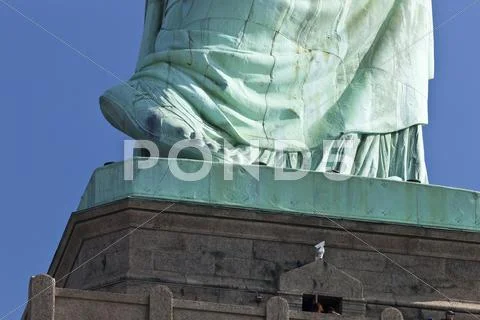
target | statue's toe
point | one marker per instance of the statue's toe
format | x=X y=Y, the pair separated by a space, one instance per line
x=165 y=126
x=116 y=108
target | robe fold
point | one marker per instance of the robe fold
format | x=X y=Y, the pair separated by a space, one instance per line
x=300 y=72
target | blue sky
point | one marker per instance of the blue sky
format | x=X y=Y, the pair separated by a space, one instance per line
x=54 y=135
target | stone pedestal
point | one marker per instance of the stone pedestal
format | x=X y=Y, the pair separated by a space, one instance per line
x=202 y=253
x=245 y=257
x=248 y=247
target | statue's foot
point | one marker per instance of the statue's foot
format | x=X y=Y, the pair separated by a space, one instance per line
x=144 y=117
x=114 y=106
x=143 y=111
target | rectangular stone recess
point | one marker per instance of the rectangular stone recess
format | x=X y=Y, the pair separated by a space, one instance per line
x=316 y=193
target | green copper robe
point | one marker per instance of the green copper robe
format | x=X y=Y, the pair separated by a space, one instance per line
x=302 y=72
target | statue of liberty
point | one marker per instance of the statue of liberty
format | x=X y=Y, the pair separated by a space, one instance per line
x=255 y=79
